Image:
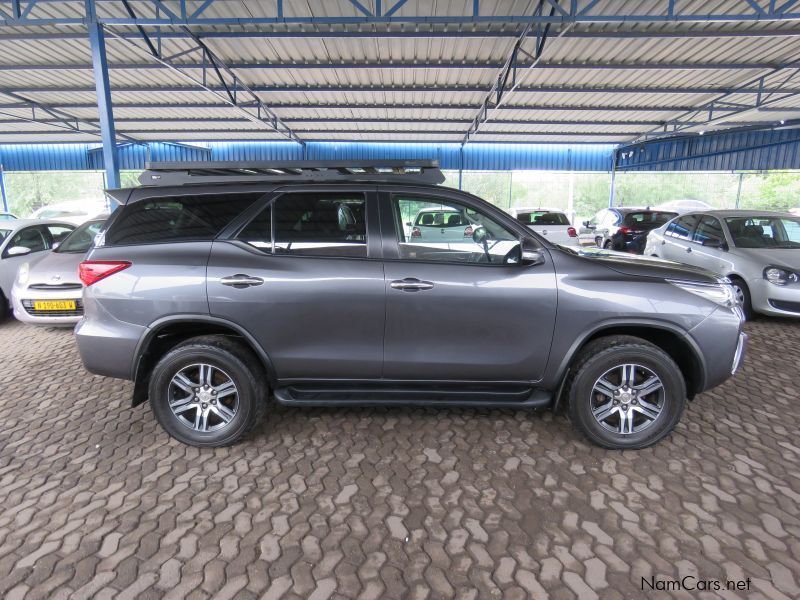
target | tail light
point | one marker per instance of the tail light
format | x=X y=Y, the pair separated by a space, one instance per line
x=92 y=271
x=627 y=230
x=571 y=232
x=468 y=232
x=415 y=232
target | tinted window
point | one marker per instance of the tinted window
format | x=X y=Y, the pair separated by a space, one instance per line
x=476 y=239
x=543 y=217
x=258 y=232
x=30 y=237
x=82 y=238
x=765 y=232
x=320 y=224
x=682 y=228
x=647 y=219
x=177 y=218
x=709 y=229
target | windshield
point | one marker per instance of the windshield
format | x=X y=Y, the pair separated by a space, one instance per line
x=82 y=238
x=542 y=217
x=648 y=218
x=765 y=232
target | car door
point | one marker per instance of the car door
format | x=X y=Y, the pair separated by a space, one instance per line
x=709 y=250
x=677 y=243
x=470 y=312
x=304 y=276
x=35 y=239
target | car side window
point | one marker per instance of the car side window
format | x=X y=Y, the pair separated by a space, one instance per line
x=709 y=228
x=31 y=238
x=682 y=228
x=311 y=224
x=433 y=229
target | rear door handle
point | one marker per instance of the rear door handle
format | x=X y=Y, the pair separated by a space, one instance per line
x=410 y=284
x=241 y=281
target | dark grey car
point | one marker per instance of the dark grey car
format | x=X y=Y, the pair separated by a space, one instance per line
x=224 y=281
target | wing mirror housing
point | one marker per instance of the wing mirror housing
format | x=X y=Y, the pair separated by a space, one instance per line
x=530 y=254
x=18 y=251
x=479 y=235
x=589 y=225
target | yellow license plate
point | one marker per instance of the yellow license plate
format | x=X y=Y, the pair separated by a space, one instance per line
x=54 y=305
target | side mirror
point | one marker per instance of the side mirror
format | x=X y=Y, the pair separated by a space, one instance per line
x=408 y=223
x=18 y=251
x=530 y=254
x=479 y=235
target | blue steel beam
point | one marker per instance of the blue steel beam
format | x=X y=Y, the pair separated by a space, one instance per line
x=104 y=106
x=160 y=14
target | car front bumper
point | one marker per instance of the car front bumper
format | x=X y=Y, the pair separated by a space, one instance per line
x=775 y=300
x=22 y=303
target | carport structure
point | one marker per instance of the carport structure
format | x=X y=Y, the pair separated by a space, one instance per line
x=455 y=72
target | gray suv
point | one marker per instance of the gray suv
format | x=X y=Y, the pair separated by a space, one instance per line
x=216 y=283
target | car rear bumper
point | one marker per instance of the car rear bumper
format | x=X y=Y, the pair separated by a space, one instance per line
x=107 y=346
x=22 y=303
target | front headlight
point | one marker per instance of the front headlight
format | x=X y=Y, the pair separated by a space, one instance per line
x=23 y=273
x=720 y=293
x=780 y=276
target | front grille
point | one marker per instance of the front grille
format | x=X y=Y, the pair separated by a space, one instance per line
x=78 y=312
x=55 y=287
x=785 y=305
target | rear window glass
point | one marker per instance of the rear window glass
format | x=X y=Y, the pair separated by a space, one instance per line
x=648 y=218
x=441 y=218
x=177 y=218
x=543 y=217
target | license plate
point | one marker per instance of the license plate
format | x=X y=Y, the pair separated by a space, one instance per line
x=45 y=305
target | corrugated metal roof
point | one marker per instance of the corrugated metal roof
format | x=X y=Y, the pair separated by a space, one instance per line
x=601 y=82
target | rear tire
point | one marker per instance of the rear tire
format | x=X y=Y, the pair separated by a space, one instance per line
x=630 y=416
x=607 y=244
x=5 y=307
x=208 y=391
x=743 y=297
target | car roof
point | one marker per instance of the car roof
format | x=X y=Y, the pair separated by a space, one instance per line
x=20 y=223
x=741 y=212
x=538 y=208
x=445 y=208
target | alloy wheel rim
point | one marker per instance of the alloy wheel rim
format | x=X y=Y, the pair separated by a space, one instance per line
x=203 y=397
x=627 y=399
x=739 y=293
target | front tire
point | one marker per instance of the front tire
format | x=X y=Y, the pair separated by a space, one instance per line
x=208 y=391
x=743 y=297
x=607 y=245
x=625 y=393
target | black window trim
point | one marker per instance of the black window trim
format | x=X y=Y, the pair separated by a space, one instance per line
x=229 y=234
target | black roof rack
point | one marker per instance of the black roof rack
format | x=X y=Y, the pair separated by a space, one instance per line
x=183 y=173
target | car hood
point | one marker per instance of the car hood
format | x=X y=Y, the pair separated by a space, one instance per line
x=645 y=266
x=780 y=257
x=56 y=268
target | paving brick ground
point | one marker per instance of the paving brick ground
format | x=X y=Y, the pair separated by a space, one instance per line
x=95 y=501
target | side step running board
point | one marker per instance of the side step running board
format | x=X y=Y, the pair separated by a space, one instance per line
x=295 y=395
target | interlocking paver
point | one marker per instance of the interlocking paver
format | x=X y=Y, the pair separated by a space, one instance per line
x=390 y=503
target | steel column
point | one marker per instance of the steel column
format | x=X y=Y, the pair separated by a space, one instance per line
x=3 y=189
x=104 y=106
x=612 y=195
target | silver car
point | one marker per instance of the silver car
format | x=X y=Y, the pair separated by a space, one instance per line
x=48 y=289
x=22 y=241
x=758 y=250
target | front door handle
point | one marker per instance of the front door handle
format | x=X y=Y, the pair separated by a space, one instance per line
x=240 y=281
x=410 y=284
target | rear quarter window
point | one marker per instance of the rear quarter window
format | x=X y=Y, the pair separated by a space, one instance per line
x=177 y=218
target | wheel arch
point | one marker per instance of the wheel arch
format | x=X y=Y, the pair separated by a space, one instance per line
x=166 y=333
x=675 y=342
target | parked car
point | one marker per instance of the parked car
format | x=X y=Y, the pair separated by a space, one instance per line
x=21 y=241
x=48 y=289
x=442 y=224
x=6 y=216
x=622 y=228
x=211 y=294
x=76 y=212
x=550 y=223
x=758 y=250
x=684 y=206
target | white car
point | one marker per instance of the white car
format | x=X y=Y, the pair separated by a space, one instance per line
x=758 y=250
x=549 y=223
x=75 y=212
x=21 y=241
x=684 y=206
x=48 y=289
x=444 y=224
